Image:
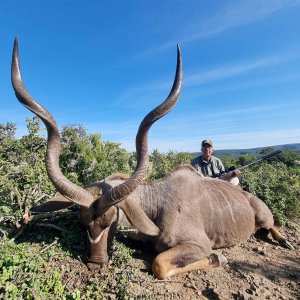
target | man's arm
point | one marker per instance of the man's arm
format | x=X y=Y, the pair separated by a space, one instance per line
x=227 y=175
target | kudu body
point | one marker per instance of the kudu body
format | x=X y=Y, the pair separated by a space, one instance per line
x=185 y=215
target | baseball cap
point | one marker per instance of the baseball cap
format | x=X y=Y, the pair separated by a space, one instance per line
x=208 y=142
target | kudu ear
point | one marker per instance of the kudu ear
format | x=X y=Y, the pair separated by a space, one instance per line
x=58 y=202
x=137 y=217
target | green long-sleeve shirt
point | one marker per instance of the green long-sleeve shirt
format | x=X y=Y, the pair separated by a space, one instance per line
x=209 y=169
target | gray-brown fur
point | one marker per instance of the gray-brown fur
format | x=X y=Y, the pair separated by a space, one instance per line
x=185 y=215
x=186 y=206
x=208 y=213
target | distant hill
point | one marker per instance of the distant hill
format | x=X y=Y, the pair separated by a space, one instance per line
x=238 y=152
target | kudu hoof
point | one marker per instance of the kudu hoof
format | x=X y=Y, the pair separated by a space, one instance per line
x=287 y=244
x=218 y=259
x=93 y=266
x=96 y=264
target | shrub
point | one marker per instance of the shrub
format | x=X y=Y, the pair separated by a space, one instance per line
x=162 y=164
x=23 y=177
x=278 y=186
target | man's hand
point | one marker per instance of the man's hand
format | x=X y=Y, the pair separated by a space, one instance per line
x=236 y=173
x=231 y=174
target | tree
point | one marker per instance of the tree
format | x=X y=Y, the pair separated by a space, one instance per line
x=162 y=164
x=86 y=158
x=23 y=177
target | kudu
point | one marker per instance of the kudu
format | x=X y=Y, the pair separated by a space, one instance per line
x=185 y=215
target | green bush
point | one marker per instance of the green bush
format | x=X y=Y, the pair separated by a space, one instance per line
x=90 y=158
x=162 y=164
x=25 y=274
x=278 y=186
x=45 y=271
x=23 y=177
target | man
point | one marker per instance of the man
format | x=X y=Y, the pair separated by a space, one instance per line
x=211 y=166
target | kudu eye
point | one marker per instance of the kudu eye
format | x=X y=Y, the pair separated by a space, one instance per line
x=108 y=216
x=104 y=220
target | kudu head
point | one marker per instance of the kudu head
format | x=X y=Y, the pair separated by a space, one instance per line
x=99 y=202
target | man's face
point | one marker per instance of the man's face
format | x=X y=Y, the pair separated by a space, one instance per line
x=207 y=150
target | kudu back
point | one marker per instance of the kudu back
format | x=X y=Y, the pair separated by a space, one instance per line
x=185 y=215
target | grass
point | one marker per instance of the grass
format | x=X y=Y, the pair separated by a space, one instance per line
x=45 y=262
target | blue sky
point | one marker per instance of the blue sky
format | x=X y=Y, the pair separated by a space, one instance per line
x=105 y=64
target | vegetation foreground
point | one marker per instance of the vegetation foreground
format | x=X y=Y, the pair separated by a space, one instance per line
x=44 y=259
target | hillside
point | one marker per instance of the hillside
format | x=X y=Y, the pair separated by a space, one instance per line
x=238 y=152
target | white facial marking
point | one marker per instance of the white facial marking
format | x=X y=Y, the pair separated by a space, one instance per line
x=97 y=240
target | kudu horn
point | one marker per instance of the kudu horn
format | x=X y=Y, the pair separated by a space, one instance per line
x=68 y=189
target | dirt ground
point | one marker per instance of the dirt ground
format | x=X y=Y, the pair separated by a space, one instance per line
x=256 y=269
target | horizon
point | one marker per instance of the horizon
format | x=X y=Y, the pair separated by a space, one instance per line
x=250 y=149
x=105 y=65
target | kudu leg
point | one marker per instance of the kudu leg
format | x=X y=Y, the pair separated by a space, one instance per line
x=183 y=258
x=264 y=219
x=277 y=236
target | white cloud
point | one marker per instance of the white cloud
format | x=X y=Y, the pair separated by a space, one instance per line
x=238 y=13
x=139 y=96
x=233 y=70
x=247 y=83
x=243 y=140
x=255 y=139
x=235 y=14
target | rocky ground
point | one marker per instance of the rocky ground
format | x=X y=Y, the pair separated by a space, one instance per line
x=256 y=269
